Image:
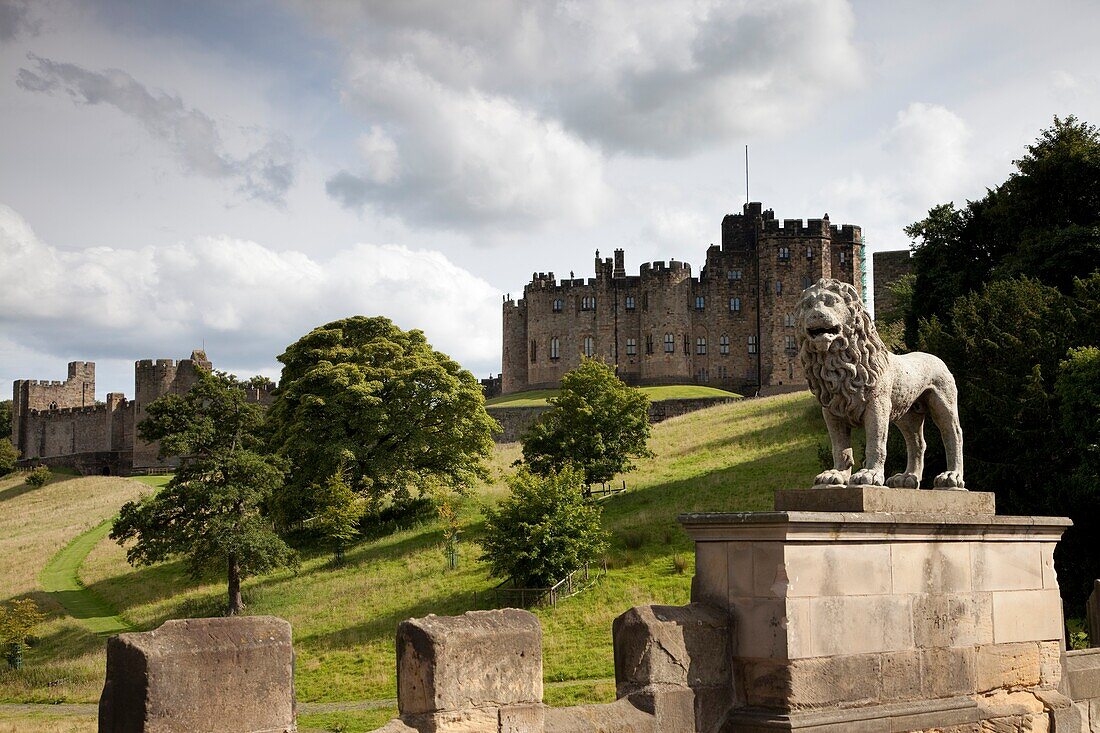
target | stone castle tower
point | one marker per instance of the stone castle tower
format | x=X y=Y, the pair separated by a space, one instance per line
x=61 y=424
x=732 y=326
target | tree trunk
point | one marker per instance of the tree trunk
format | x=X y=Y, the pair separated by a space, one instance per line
x=236 y=605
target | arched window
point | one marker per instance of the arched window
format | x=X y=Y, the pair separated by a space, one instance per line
x=589 y=346
x=670 y=343
x=809 y=252
x=630 y=302
x=843 y=257
x=588 y=303
x=701 y=345
x=724 y=344
x=631 y=347
x=700 y=302
x=558 y=304
x=534 y=350
x=784 y=254
x=752 y=344
x=733 y=274
x=778 y=287
x=554 y=348
x=788 y=320
x=735 y=305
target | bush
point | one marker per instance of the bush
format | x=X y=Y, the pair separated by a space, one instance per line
x=8 y=456
x=39 y=477
x=544 y=530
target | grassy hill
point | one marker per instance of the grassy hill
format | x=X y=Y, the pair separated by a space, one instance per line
x=535 y=397
x=730 y=457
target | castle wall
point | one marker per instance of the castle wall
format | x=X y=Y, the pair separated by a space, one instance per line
x=78 y=390
x=730 y=327
x=154 y=379
x=889 y=266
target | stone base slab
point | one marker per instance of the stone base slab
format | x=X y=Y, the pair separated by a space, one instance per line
x=883 y=499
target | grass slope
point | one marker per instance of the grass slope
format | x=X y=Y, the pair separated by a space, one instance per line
x=535 y=397
x=730 y=457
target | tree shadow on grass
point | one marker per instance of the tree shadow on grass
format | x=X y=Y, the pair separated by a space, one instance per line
x=146 y=584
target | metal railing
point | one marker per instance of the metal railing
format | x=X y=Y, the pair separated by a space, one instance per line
x=505 y=596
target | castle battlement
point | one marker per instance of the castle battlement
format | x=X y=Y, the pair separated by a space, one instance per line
x=65 y=412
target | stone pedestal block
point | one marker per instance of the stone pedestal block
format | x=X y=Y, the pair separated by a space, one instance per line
x=912 y=613
x=479 y=660
x=223 y=675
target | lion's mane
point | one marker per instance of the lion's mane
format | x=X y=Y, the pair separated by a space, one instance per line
x=843 y=377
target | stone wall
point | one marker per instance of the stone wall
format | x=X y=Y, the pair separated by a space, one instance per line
x=154 y=379
x=729 y=327
x=78 y=390
x=516 y=420
x=889 y=266
x=1082 y=685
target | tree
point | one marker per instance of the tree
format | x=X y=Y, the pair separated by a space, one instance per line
x=544 y=530
x=8 y=456
x=1043 y=222
x=362 y=396
x=596 y=422
x=17 y=621
x=5 y=418
x=341 y=510
x=210 y=513
x=38 y=477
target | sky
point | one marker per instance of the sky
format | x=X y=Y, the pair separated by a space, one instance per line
x=230 y=175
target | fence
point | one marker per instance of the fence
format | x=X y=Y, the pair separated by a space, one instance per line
x=604 y=492
x=503 y=596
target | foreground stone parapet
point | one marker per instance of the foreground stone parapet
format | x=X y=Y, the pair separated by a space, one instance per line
x=460 y=669
x=215 y=675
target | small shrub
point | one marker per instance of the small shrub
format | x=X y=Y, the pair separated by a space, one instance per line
x=679 y=564
x=39 y=477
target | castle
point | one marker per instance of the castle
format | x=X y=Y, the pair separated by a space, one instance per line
x=733 y=326
x=61 y=424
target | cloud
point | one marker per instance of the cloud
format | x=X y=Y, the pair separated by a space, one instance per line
x=16 y=20
x=508 y=111
x=265 y=173
x=245 y=300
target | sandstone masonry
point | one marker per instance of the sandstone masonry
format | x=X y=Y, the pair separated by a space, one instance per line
x=732 y=326
x=889 y=267
x=61 y=424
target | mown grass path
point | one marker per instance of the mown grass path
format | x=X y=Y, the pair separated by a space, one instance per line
x=60 y=578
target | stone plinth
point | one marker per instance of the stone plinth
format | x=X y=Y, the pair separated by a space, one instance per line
x=902 y=620
x=882 y=499
x=213 y=674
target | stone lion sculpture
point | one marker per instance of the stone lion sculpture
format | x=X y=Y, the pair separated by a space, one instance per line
x=860 y=383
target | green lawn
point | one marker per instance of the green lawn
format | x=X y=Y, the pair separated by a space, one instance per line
x=535 y=397
x=729 y=457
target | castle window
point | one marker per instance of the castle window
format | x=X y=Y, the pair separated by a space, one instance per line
x=752 y=344
x=649 y=343
x=645 y=301
x=700 y=302
x=554 y=350
x=724 y=344
x=843 y=257
x=791 y=345
x=558 y=304
x=788 y=320
x=534 y=349
x=589 y=347
x=733 y=274
x=778 y=287
x=631 y=347
x=806 y=282
x=588 y=303
x=701 y=345
x=784 y=254
x=687 y=345
x=809 y=253
x=735 y=305
x=670 y=343
x=53 y=406
x=630 y=302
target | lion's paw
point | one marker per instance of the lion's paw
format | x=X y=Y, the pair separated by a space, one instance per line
x=949 y=480
x=903 y=481
x=832 y=477
x=866 y=477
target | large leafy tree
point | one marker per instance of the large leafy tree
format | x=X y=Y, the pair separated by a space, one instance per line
x=1043 y=222
x=544 y=530
x=380 y=407
x=211 y=512
x=596 y=422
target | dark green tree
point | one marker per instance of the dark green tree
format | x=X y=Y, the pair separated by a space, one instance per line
x=211 y=511
x=8 y=456
x=5 y=418
x=380 y=404
x=18 y=619
x=1043 y=222
x=544 y=530
x=596 y=422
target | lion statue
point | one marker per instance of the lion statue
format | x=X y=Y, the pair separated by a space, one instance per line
x=860 y=383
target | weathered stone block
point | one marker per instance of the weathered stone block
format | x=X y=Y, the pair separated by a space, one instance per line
x=860 y=624
x=711 y=581
x=931 y=567
x=477 y=660
x=1027 y=615
x=1050 y=663
x=682 y=709
x=1006 y=565
x=769 y=570
x=522 y=719
x=688 y=646
x=861 y=569
x=1007 y=666
x=1082 y=674
x=811 y=683
x=883 y=499
x=771 y=628
x=901 y=676
x=201 y=675
x=1064 y=716
x=947 y=672
x=952 y=620
x=617 y=717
